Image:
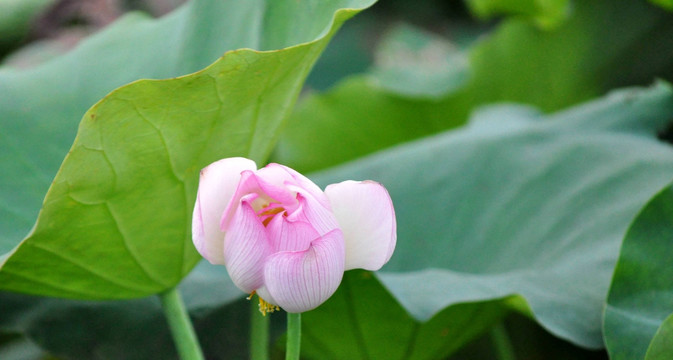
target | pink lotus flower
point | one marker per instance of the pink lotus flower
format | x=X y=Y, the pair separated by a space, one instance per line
x=282 y=237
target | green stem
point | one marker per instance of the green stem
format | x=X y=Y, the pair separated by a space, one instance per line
x=180 y=325
x=259 y=335
x=293 y=336
x=502 y=344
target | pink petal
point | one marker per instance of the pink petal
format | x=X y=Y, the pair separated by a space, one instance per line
x=302 y=280
x=246 y=246
x=366 y=216
x=217 y=184
x=306 y=185
x=290 y=236
x=312 y=211
x=272 y=179
x=246 y=185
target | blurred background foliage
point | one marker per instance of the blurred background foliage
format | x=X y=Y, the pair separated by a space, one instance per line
x=599 y=46
x=461 y=55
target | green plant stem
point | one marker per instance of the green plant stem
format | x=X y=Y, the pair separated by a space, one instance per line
x=503 y=347
x=293 y=336
x=259 y=334
x=180 y=325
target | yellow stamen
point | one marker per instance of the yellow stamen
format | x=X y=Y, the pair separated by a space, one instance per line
x=272 y=211
x=269 y=214
x=264 y=307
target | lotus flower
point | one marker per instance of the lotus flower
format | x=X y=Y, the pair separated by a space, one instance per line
x=280 y=236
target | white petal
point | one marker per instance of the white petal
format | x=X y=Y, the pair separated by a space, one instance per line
x=366 y=216
x=217 y=184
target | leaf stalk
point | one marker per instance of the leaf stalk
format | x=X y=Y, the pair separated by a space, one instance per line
x=181 y=326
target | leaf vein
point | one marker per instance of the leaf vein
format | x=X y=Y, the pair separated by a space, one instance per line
x=89 y=270
x=157 y=279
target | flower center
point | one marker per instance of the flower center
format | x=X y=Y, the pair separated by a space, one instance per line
x=269 y=211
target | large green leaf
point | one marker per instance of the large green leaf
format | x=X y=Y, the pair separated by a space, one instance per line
x=357 y=118
x=372 y=325
x=116 y=220
x=525 y=204
x=598 y=47
x=40 y=108
x=641 y=294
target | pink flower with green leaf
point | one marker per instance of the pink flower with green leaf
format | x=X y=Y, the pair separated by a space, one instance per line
x=282 y=237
